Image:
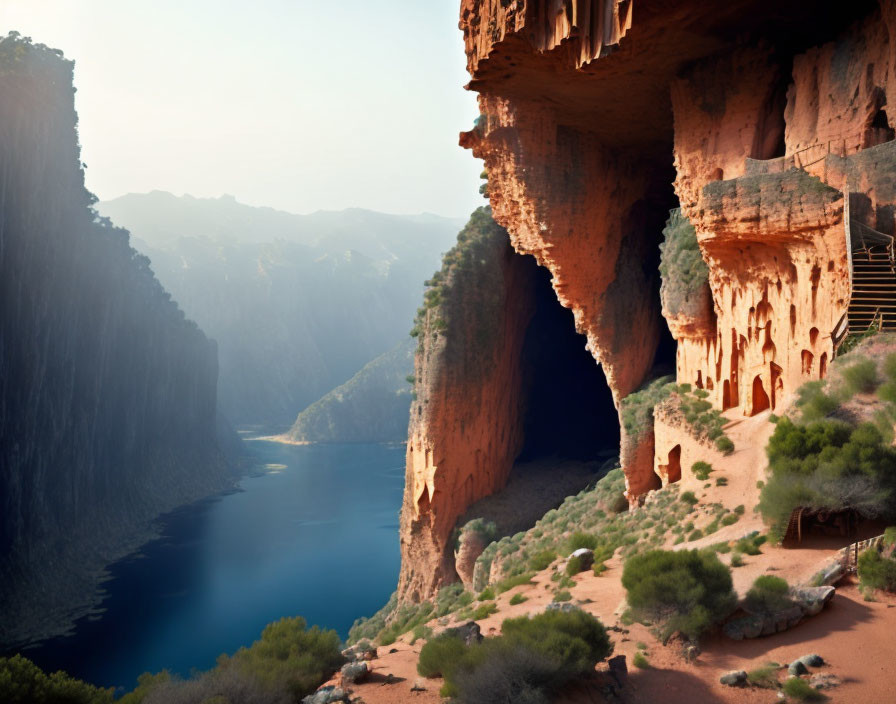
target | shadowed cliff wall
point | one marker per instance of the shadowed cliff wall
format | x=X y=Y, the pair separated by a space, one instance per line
x=107 y=393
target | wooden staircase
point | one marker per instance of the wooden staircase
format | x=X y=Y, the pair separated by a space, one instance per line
x=873 y=299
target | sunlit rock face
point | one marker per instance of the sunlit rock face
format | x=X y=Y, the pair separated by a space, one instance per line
x=107 y=393
x=591 y=131
x=467 y=418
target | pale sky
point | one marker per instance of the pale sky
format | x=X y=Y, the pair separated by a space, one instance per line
x=296 y=104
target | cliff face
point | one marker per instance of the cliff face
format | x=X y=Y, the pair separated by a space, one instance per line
x=107 y=393
x=764 y=128
x=466 y=421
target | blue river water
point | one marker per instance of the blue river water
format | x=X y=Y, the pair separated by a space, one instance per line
x=314 y=535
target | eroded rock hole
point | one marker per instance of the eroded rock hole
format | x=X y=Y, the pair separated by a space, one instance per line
x=570 y=424
x=569 y=408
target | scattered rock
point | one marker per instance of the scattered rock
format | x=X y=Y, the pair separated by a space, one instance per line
x=390 y=679
x=811 y=660
x=469 y=633
x=735 y=678
x=393 y=650
x=691 y=653
x=797 y=668
x=807 y=601
x=326 y=695
x=419 y=685
x=354 y=672
x=824 y=681
x=564 y=606
x=618 y=669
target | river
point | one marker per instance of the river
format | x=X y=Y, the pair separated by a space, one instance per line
x=314 y=533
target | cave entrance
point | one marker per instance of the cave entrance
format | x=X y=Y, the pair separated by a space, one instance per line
x=570 y=424
x=760 y=398
x=570 y=413
x=879 y=131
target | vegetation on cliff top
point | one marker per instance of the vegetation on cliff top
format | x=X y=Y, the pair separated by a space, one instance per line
x=473 y=252
x=685 y=276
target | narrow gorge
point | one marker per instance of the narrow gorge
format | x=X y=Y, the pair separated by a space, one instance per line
x=752 y=142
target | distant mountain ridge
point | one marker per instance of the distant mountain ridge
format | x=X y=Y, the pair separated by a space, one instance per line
x=297 y=303
x=372 y=406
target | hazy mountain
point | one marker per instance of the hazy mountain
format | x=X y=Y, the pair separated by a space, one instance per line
x=372 y=406
x=297 y=303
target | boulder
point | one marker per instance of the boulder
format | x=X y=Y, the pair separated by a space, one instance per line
x=353 y=672
x=419 y=685
x=326 y=695
x=469 y=633
x=735 y=678
x=811 y=660
x=564 y=606
x=797 y=668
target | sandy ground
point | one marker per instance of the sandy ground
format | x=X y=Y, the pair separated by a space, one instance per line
x=856 y=638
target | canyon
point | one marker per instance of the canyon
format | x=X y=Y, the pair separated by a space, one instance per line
x=107 y=391
x=757 y=138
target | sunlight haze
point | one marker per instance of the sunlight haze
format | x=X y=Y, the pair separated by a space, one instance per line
x=296 y=104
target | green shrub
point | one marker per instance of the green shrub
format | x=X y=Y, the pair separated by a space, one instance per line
x=701 y=470
x=768 y=595
x=484 y=610
x=689 y=498
x=518 y=599
x=290 y=655
x=695 y=535
x=542 y=560
x=724 y=444
x=640 y=661
x=486 y=594
x=730 y=519
x=421 y=631
x=579 y=540
x=574 y=565
x=440 y=655
x=599 y=568
x=23 y=682
x=516 y=580
x=528 y=662
x=889 y=538
x=683 y=591
x=737 y=559
x=637 y=408
x=765 y=677
x=861 y=377
x=740 y=509
x=796 y=688
x=721 y=481
x=877 y=571
x=562 y=595
x=749 y=544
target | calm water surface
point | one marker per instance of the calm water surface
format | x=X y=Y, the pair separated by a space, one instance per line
x=316 y=535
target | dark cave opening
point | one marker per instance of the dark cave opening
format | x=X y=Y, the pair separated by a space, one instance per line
x=569 y=408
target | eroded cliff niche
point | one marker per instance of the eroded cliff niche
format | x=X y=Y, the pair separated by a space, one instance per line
x=766 y=126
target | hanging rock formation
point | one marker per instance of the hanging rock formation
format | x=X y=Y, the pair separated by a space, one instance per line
x=107 y=393
x=766 y=126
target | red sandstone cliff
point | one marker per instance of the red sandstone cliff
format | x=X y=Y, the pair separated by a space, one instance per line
x=766 y=125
